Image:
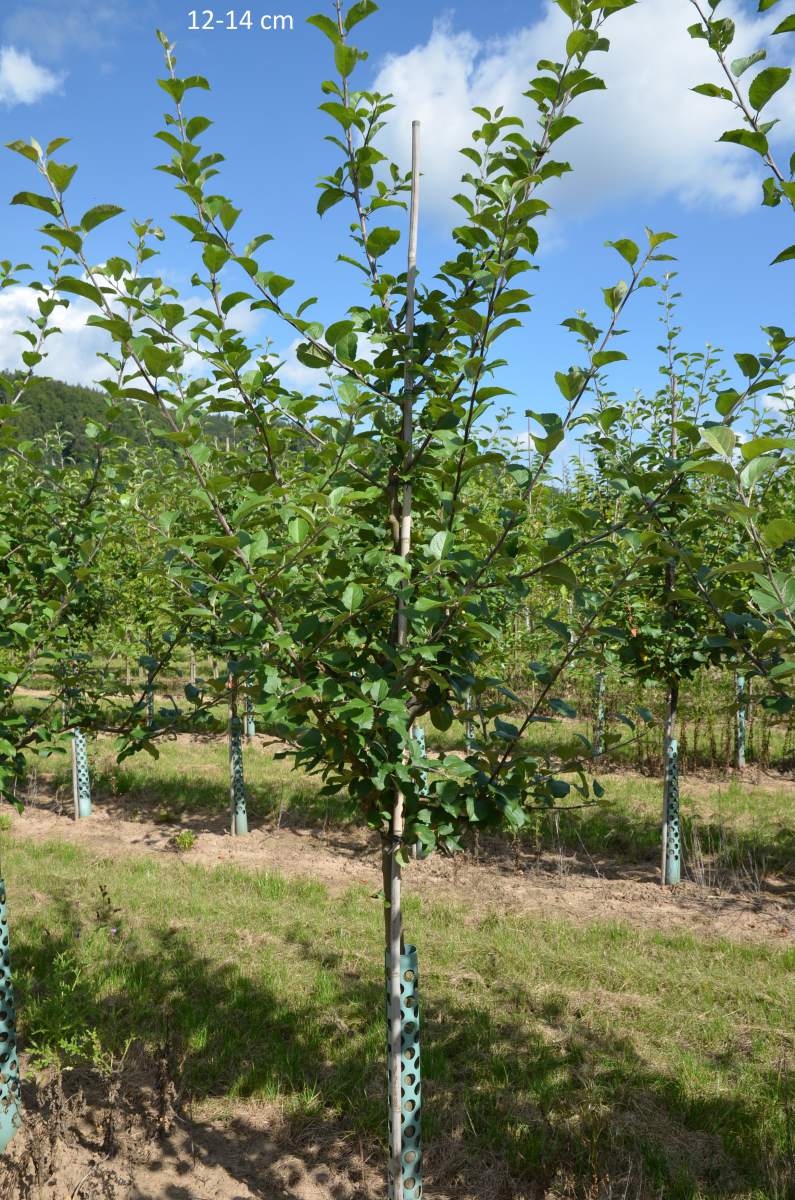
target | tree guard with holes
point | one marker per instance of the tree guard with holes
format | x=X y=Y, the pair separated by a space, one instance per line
x=418 y=733
x=672 y=832
x=410 y=1077
x=469 y=730
x=741 y=721
x=251 y=728
x=81 y=778
x=10 y=1094
x=599 y=724
x=237 y=786
x=150 y=705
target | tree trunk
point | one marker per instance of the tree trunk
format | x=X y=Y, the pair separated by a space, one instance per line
x=397 y=1190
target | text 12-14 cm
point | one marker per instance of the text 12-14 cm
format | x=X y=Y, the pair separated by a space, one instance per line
x=201 y=19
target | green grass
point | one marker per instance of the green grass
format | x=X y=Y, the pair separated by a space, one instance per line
x=551 y=1052
x=192 y=779
x=738 y=826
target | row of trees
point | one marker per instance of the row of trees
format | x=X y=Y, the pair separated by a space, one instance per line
x=355 y=554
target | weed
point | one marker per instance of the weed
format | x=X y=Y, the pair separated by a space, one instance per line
x=184 y=840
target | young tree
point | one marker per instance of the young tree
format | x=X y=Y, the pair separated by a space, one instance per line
x=342 y=551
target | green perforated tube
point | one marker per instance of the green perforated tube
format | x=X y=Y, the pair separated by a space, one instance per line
x=251 y=728
x=81 y=778
x=10 y=1096
x=742 y=701
x=673 y=841
x=410 y=1078
x=237 y=786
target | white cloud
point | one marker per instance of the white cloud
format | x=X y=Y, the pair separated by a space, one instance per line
x=784 y=401
x=71 y=354
x=295 y=375
x=647 y=136
x=57 y=28
x=22 y=81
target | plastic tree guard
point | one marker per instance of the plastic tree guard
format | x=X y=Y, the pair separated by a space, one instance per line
x=150 y=705
x=410 y=1077
x=741 y=717
x=251 y=728
x=418 y=733
x=237 y=785
x=673 y=849
x=10 y=1094
x=599 y=726
x=81 y=778
x=469 y=732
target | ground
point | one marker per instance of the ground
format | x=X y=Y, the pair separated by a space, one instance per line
x=208 y=1021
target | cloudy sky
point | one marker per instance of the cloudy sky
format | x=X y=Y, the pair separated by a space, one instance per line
x=646 y=154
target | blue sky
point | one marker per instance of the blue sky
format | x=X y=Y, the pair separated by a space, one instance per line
x=646 y=155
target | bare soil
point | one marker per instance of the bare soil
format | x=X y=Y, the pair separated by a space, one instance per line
x=578 y=888
x=131 y=1136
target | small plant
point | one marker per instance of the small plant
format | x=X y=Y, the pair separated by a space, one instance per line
x=106 y=913
x=5 y=823
x=184 y=840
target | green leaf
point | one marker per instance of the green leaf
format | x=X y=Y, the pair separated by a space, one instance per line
x=97 y=215
x=762 y=445
x=80 y=287
x=784 y=256
x=346 y=58
x=787 y=25
x=325 y=25
x=440 y=543
x=382 y=239
x=746 y=137
x=748 y=365
x=215 y=257
x=61 y=175
x=712 y=89
x=766 y=84
x=779 y=531
x=328 y=199
x=720 y=438
x=742 y=64
x=298 y=530
x=32 y=200
x=358 y=12
x=627 y=249
x=196 y=126
x=24 y=149
x=352 y=597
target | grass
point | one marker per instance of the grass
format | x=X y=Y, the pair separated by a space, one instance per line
x=192 y=778
x=554 y=1056
x=739 y=826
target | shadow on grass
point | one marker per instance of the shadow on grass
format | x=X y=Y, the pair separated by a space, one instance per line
x=524 y=1101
